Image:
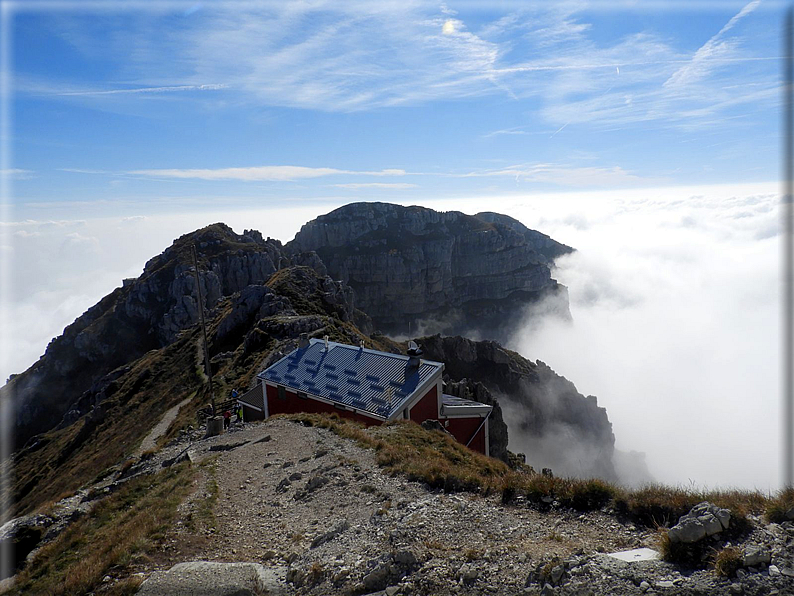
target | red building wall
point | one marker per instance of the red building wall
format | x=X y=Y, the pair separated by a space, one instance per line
x=426 y=408
x=250 y=414
x=463 y=428
x=293 y=404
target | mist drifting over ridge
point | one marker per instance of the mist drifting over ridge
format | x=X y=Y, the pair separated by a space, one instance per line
x=674 y=297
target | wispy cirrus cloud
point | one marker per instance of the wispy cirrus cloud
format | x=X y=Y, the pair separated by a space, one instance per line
x=259 y=173
x=565 y=175
x=144 y=90
x=710 y=53
x=361 y=56
x=16 y=173
x=377 y=185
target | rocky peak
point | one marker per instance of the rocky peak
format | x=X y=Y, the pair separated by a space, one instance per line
x=444 y=271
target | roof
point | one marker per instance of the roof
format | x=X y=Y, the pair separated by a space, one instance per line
x=458 y=406
x=253 y=398
x=373 y=382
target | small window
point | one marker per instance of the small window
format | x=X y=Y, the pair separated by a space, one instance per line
x=282 y=392
x=302 y=395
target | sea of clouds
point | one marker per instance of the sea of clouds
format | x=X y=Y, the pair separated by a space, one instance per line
x=675 y=298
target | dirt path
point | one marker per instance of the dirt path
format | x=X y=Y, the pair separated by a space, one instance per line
x=150 y=442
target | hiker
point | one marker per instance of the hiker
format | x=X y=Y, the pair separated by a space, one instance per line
x=234 y=394
x=239 y=413
x=227 y=419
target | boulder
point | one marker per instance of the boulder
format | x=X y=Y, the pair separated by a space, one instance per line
x=18 y=538
x=203 y=578
x=755 y=555
x=704 y=519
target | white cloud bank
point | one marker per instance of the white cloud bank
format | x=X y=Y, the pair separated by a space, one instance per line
x=675 y=301
x=675 y=297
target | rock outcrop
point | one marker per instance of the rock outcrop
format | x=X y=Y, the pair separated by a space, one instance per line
x=703 y=520
x=548 y=419
x=415 y=268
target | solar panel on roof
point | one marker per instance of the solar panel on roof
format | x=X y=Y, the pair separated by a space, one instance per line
x=320 y=372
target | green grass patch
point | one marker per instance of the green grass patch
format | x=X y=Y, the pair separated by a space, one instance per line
x=121 y=528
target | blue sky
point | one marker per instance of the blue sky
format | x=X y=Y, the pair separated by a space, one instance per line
x=170 y=106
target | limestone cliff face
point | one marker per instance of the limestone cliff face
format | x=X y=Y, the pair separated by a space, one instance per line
x=548 y=419
x=146 y=313
x=444 y=271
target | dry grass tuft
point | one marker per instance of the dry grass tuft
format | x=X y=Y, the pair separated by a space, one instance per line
x=727 y=561
x=779 y=507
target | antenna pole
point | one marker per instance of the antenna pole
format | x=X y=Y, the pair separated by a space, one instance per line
x=207 y=365
x=788 y=253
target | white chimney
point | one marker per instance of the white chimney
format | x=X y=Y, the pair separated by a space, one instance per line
x=414 y=355
x=303 y=341
x=326 y=342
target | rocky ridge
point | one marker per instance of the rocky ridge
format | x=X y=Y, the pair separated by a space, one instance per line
x=143 y=314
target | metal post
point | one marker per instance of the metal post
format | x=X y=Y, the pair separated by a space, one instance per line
x=207 y=365
x=788 y=254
